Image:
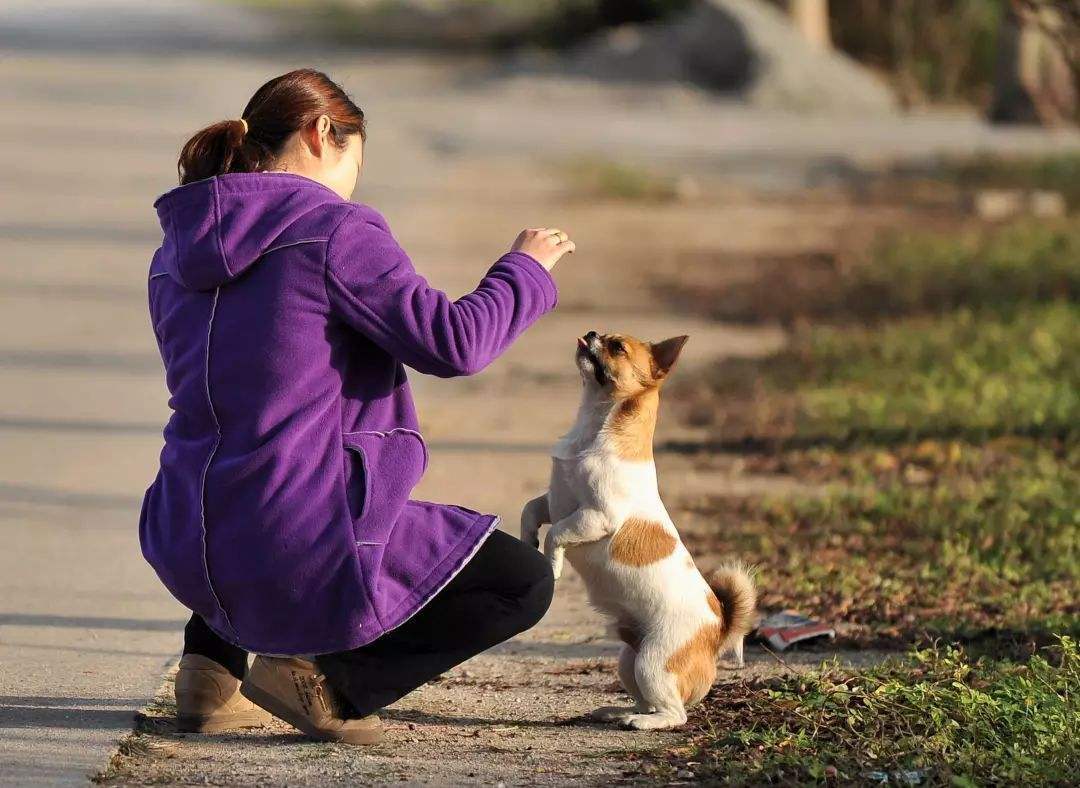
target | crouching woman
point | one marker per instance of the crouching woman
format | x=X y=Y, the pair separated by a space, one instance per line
x=280 y=515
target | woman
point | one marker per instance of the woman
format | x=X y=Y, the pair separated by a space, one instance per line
x=281 y=513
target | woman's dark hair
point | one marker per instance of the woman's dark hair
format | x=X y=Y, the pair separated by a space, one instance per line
x=280 y=108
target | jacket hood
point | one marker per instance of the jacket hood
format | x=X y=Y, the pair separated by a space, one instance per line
x=215 y=229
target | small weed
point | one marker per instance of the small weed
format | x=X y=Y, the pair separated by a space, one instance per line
x=609 y=180
x=318 y=751
x=130 y=749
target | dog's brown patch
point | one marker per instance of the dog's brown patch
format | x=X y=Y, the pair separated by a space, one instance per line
x=641 y=542
x=633 y=424
x=694 y=664
x=714 y=604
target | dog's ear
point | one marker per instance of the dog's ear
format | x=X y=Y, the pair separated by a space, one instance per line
x=665 y=354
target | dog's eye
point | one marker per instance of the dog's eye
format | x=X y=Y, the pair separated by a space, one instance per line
x=616 y=348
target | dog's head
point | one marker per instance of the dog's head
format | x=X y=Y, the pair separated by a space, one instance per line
x=622 y=365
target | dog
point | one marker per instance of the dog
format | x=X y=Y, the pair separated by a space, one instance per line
x=608 y=521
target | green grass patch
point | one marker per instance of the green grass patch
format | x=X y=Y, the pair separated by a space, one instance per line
x=938 y=717
x=604 y=179
x=964 y=375
x=955 y=541
x=996 y=269
x=904 y=274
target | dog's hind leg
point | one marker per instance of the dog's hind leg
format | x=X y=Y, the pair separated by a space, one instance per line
x=533 y=516
x=661 y=692
x=627 y=660
x=628 y=674
x=737 y=653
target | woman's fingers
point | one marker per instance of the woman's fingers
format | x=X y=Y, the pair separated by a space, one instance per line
x=563 y=242
x=544 y=244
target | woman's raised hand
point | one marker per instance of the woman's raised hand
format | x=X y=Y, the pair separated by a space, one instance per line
x=546 y=245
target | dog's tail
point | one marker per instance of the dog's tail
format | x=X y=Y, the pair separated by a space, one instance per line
x=734 y=587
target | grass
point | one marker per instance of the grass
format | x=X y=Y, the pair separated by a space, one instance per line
x=969 y=543
x=964 y=374
x=918 y=273
x=933 y=400
x=600 y=178
x=970 y=335
x=967 y=374
x=906 y=274
x=1058 y=172
x=951 y=441
x=937 y=717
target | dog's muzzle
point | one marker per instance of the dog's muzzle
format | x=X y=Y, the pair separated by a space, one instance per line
x=589 y=347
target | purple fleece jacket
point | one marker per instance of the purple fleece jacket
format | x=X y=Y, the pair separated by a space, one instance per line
x=281 y=510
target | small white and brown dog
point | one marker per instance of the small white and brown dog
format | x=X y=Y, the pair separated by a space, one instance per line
x=608 y=520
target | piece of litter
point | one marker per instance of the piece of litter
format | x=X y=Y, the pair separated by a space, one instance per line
x=781 y=630
x=899 y=776
x=910 y=776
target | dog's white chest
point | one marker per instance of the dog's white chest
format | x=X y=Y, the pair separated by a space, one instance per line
x=616 y=487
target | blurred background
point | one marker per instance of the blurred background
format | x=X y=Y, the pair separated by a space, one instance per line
x=864 y=213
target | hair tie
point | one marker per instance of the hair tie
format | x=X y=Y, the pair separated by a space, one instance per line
x=245 y=125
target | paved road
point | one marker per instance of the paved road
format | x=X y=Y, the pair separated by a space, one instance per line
x=85 y=629
x=97 y=99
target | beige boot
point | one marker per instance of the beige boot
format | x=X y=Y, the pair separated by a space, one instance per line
x=293 y=690
x=208 y=699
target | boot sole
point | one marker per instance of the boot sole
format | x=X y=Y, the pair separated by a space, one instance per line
x=268 y=702
x=193 y=723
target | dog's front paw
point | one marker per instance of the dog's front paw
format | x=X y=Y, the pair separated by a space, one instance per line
x=652 y=722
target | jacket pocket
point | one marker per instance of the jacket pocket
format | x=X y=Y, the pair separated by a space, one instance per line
x=381 y=471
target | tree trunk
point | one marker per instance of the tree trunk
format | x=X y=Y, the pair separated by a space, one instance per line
x=811 y=18
x=1034 y=82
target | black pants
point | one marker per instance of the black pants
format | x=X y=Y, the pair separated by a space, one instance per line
x=504 y=589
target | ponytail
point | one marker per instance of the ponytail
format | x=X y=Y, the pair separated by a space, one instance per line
x=279 y=109
x=217 y=149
